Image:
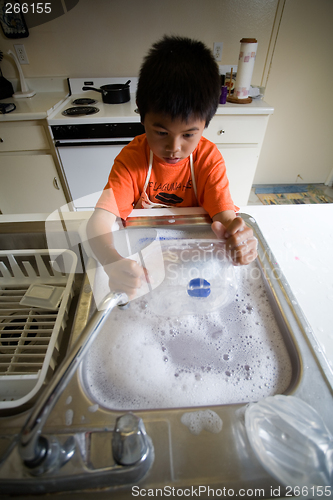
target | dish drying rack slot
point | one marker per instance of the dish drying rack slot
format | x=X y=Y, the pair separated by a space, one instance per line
x=30 y=337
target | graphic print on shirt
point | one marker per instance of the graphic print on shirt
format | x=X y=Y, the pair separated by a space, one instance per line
x=168 y=198
x=168 y=191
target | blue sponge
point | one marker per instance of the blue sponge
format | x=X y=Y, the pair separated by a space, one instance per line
x=198 y=287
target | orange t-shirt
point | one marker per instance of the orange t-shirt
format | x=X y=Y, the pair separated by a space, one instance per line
x=168 y=184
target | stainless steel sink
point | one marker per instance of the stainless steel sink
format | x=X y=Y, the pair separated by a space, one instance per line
x=217 y=456
x=171 y=349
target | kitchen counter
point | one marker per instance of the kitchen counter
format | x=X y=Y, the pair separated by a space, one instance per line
x=50 y=93
x=256 y=107
x=301 y=238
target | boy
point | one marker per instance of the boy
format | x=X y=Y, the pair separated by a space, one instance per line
x=171 y=164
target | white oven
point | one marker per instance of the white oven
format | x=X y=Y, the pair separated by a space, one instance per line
x=88 y=135
x=87 y=161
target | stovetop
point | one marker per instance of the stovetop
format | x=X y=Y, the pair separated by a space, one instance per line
x=103 y=113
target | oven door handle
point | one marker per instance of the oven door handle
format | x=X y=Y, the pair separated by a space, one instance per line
x=59 y=144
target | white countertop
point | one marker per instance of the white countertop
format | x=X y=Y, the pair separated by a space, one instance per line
x=301 y=238
x=50 y=93
x=256 y=107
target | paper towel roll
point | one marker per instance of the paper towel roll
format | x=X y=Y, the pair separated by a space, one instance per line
x=247 y=56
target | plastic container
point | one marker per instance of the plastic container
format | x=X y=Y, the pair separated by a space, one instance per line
x=198 y=278
x=224 y=93
x=43 y=296
x=30 y=336
x=291 y=441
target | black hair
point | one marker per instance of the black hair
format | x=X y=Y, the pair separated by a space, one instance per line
x=179 y=77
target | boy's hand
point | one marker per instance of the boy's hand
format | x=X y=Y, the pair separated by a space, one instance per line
x=240 y=242
x=125 y=275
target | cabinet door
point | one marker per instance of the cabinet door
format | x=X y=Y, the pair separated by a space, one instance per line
x=236 y=129
x=241 y=163
x=29 y=184
x=239 y=138
x=22 y=136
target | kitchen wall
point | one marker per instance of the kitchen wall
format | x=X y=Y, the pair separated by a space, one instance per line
x=110 y=37
x=298 y=140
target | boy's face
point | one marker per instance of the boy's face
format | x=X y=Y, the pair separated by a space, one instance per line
x=172 y=140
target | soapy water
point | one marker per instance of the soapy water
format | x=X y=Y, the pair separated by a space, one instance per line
x=197 y=276
x=207 y=420
x=142 y=360
x=184 y=275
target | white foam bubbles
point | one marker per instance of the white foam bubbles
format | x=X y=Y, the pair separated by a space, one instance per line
x=69 y=417
x=196 y=421
x=142 y=360
x=93 y=408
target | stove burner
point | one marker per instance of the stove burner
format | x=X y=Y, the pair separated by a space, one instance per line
x=84 y=101
x=80 y=110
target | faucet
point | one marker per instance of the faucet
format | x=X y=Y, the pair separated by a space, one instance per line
x=39 y=454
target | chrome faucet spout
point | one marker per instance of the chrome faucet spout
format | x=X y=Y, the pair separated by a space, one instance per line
x=37 y=452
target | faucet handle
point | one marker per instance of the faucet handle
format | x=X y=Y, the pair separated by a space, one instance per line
x=129 y=441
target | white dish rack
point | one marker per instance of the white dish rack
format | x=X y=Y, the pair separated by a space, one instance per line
x=30 y=337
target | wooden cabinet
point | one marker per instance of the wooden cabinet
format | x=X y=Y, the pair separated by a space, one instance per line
x=239 y=138
x=29 y=179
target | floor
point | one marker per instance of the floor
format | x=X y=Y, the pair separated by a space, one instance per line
x=324 y=194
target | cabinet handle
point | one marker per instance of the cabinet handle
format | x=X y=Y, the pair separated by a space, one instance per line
x=1 y=139
x=55 y=183
x=220 y=132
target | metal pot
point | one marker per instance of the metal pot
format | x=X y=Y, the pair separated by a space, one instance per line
x=114 y=93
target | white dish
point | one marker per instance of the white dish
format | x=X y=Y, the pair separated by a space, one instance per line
x=43 y=296
x=290 y=441
x=198 y=278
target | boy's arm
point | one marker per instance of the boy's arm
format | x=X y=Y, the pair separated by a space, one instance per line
x=124 y=274
x=99 y=232
x=240 y=242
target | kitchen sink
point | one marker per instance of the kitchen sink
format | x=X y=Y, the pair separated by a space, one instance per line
x=199 y=376
x=189 y=351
